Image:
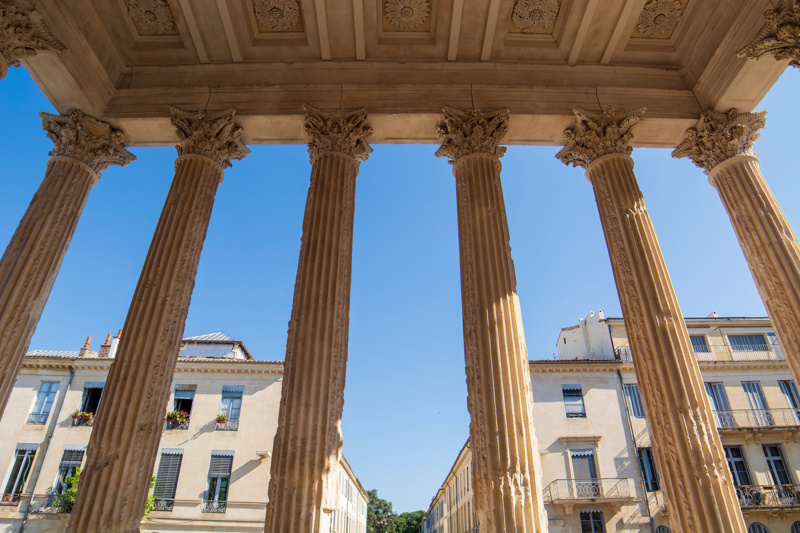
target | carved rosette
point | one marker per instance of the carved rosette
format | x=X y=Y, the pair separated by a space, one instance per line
x=535 y=16
x=212 y=135
x=720 y=136
x=472 y=132
x=151 y=17
x=659 y=17
x=344 y=132
x=407 y=14
x=780 y=36
x=22 y=34
x=599 y=134
x=86 y=139
x=277 y=15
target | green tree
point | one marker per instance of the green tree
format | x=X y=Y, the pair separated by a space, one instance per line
x=66 y=500
x=380 y=517
x=410 y=522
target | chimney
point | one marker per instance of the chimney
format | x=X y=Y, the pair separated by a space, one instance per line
x=85 y=349
x=115 y=345
x=105 y=349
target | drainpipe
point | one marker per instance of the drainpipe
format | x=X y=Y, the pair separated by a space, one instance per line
x=53 y=423
x=636 y=452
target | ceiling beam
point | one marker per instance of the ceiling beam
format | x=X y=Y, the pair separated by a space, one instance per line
x=358 y=23
x=586 y=21
x=230 y=35
x=322 y=28
x=622 y=28
x=186 y=8
x=455 y=29
x=491 y=28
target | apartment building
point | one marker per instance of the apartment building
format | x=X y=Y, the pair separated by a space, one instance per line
x=213 y=468
x=598 y=473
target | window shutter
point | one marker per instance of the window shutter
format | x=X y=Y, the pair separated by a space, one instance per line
x=221 y=464
x=70 y=458
x=167 y=477
x=184 y=394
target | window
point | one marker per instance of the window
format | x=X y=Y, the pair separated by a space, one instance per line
x=167 y=479
x=719 y=404
x=18 y=472
x=92 y=392
x=777 y=467
x=789 y=390
x=70 y=460
x=184 y=397
x=748 y=343
x=737 y=465
x=219 y=476
x=573 y=401
x=796 y=527
x=775 y=345
x=699 y=344
x=230 y=407
x=634 y=400
x=756 y=527
x=592 y=522
x=44 y=402
x=584 y=474
x=649 y=472
x=759 y=410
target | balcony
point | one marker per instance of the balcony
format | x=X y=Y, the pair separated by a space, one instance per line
x=570 y=492
x=761 y=419
x=211 y=506
x=768 y=497
x=10 y=499
x=164 y=505
x=721 y=353
x=82 y=421
x=228 y=425
x=177 y=424
x=38 y=418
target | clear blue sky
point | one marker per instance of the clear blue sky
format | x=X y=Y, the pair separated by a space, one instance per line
x=405 y=415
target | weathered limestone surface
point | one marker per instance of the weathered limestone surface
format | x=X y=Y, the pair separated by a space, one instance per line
x=83 y=147
x=780 y=35
x=124 y=444
x=722 y=145
x=505 y=455
x=22 y=34
x=303 y=485
x=696 y=482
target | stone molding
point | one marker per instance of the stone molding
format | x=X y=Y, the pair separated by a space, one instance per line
x=407 y=14
x=23 y=34
x=720 y=136
x=87 y=140
x=277 y=15
x=212 y=135
x=465 y=132
x=151 y=17
x=780 y=35
x=343 y=131
x=535 y=16
x=659 y=17
x=599 y=134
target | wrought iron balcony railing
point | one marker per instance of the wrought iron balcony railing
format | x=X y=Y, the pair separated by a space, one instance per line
x=229 y=425
x=588 y=489
x=757 y=418
x=722 y=352
x=9 y=499
x=211 y=506
x=80 y=421
x=177 y=424
x=164 y=505
x=768 y=496
x=37 y=418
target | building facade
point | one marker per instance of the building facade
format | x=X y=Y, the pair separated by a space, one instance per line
x=212 y=471
x=599 y=468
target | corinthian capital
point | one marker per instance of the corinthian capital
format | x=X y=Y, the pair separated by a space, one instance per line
x=344 y=132
x=720 y=136
x=472 y=132
x=86 y=139
x=212 y=135
x=599 y=134
x=780 y=35
x=22 y=34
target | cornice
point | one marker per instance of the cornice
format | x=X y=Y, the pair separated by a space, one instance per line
x=577 y=366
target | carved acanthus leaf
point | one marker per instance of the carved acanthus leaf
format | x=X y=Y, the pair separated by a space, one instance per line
x=277 y=15
x=86 y=139
x=407 y=14
x=534 y=16
x=466 y=132
x=659 y=17
x=599 y=134
x=780 y=35
x=151 y=17
x=212 y=135
x=23 y=34
x=337 y=131
x=720 y=136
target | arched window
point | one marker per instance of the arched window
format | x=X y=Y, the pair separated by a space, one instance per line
x=796 y=527
x=663 y=529
x=757 y=528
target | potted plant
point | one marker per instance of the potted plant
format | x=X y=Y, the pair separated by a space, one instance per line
x=83 y=415
x=177 y=416
x=222 y=418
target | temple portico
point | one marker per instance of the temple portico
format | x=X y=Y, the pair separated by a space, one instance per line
x=211 y=80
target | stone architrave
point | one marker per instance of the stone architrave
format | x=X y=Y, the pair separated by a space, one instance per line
x=696 y=482
x=505 y=455
x=780 y=35
x=124 y=444
x=22 y=34
x=303 y=485
x=722 y=145
x=83 y=148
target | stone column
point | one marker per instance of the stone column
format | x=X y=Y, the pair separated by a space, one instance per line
x=83 y=147
x=124 y=444
x=722 y=145
x=780 y=35
x=505 y=455
x=22 y=34
x=695 y=479
x=303 y=486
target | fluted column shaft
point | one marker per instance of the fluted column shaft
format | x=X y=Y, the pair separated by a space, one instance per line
x=696 y=481
x=505 y=459
x=33 y=258
x=124 y=444
x=769 y=245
